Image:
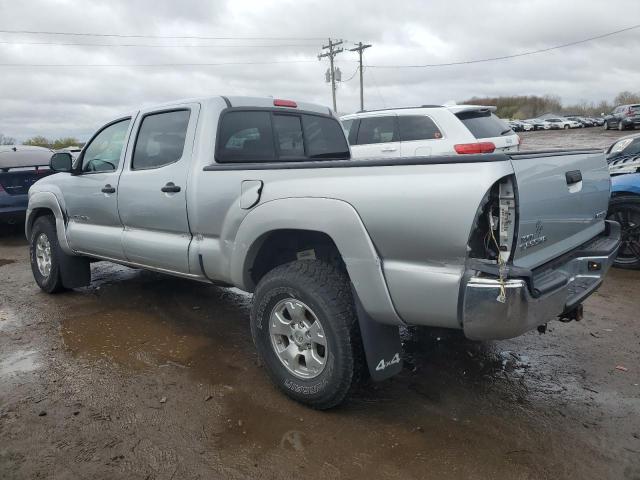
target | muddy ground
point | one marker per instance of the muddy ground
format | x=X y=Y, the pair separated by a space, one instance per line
x=142 y=376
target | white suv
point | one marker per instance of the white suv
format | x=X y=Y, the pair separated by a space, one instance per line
x=428 y=130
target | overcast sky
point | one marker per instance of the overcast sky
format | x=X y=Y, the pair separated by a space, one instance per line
x=74 y=101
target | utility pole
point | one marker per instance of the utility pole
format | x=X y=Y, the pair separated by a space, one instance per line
x=360 y=48
x=331 y=53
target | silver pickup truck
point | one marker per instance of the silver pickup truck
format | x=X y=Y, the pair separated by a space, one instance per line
x=261 y=194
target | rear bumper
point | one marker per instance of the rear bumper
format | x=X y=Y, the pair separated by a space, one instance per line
x=13 y=206
x=534 y=300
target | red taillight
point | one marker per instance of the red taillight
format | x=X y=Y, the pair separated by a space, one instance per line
x=629 y=112
x=1 y=189
x=284 y=103
x=471 y=148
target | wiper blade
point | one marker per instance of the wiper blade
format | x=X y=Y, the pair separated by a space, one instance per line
x=505 y=131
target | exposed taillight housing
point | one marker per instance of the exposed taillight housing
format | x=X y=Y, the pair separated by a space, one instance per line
x=629 y=112
x=494 y=231
x=284 y=103
x=474 y=148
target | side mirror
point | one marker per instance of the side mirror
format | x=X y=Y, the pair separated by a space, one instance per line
x=61 y=162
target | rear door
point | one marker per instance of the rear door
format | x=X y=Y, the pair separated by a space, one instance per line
x=562 y=202
x=485 y=126
x=420 y=137
x=377 y=137
x=152 y=190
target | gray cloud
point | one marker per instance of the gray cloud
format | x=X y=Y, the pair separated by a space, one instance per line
x=56 y=101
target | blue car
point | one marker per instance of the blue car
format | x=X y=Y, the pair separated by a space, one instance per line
x=20 y=167
x=624 y=208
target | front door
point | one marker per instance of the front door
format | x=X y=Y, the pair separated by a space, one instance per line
x=377 y=137
x=153 y=188
x=90 y=194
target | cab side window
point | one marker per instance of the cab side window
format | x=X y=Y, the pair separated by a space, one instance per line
x=377 y=130
x=104 y=151
x=160 y=139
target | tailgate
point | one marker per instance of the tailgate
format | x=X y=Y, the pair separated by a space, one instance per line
x=562 y=202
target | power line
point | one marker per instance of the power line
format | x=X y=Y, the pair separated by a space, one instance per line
x=192 y=37
x=505 y=57
x=3 y=42
x=276 y=62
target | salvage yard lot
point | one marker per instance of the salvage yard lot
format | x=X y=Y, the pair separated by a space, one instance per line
x=147 y=376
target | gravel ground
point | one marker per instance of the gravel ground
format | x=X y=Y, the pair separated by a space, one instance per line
x=142 y=376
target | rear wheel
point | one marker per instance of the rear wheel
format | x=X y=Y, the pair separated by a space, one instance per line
x=305 y=329
x=44 y=255
x=626 y=211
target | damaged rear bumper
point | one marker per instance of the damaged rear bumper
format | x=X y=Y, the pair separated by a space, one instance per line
x=537 y=296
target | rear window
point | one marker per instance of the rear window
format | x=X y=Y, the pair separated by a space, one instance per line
x=417 y=127
x=267 y=136
x=483 y=124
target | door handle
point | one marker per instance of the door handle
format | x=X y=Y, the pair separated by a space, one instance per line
x=389 y=149
x=170 y=187
x=574 y=176
x=108 y=189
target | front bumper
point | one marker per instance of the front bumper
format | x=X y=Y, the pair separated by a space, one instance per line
x=543 y=295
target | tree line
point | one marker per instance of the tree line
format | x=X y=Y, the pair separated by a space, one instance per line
x=532 y=106
x=40 y=141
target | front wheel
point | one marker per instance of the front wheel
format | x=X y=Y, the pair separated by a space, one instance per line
x=626 y=211
x=605 y=125
x=620 y=126
x=44 y=255
x=305 y=329
x=566 y=127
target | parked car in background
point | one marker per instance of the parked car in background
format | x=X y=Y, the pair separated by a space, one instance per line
x=623 y=117
x=624 y=148
x=20 y=167
x=74 y=150
x=624 y=208
x=428 y=130
x=538 y=124
x=562 y=123
x=519 y=126
x=584 y=122
x=598 y=121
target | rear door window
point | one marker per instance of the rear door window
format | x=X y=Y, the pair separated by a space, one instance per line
x=378 y=130
x=160 y=139
x=418 y=127
x=266 y=136
x=483 y=124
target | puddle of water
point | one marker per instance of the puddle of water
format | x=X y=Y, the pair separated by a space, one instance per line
x=148 y=339
x=6 y=261
x=20 y=361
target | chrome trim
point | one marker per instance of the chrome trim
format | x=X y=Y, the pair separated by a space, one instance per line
x=485 y=318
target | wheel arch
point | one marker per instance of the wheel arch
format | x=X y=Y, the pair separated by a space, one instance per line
x=333 y=225
x=46 y=203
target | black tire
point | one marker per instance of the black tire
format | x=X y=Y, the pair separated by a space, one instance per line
x=620 y=126
x=327 y=291
x=626 y=211
x=52 y=283
x=606 y=125
x=566 y=127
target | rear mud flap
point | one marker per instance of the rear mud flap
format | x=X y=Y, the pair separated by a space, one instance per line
x=382 y=345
